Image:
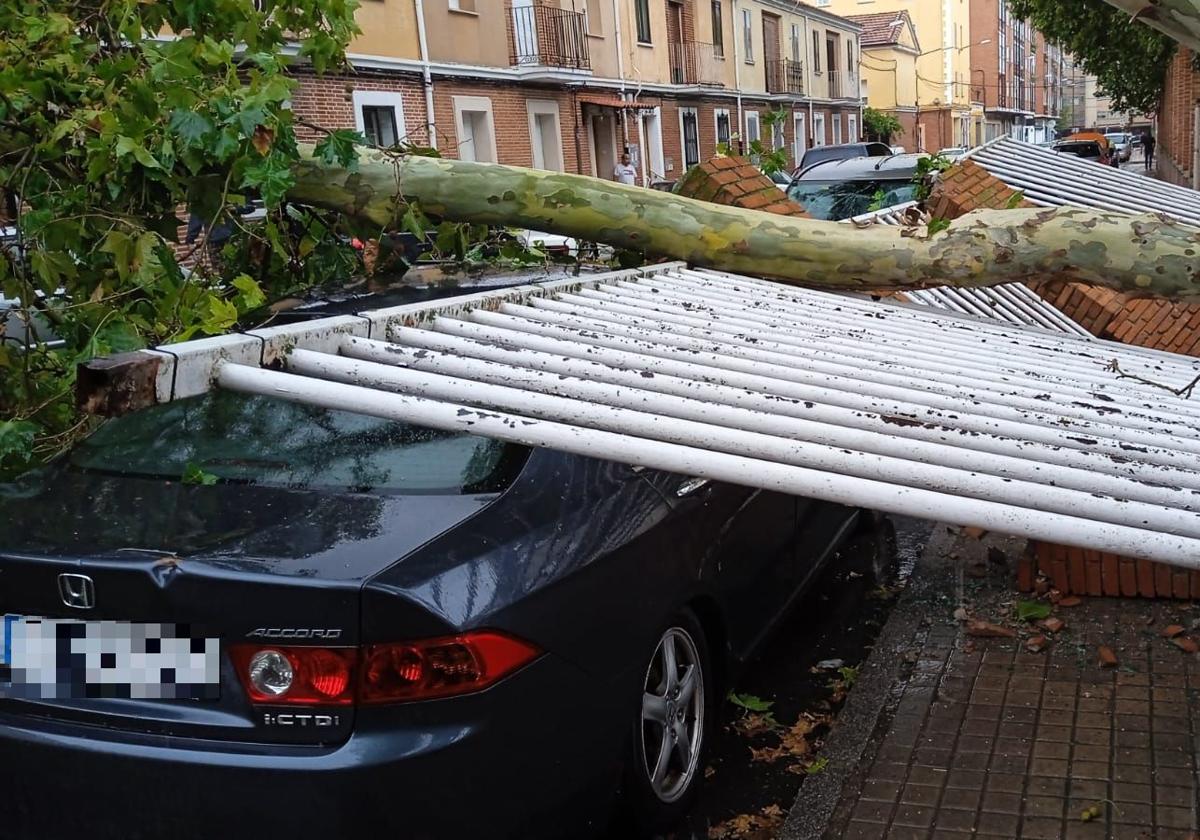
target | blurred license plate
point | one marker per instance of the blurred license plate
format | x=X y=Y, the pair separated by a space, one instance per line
x=57 y=658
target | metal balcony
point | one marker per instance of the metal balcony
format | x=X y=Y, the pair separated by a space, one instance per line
x=695 y=63
x=785 y=75
x=540 y=36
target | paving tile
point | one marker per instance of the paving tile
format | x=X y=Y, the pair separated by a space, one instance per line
x=1089 y=789
x=889 y=770
x=920 y=795
x=1092 y=736
x=1168 y=817
x=1131 y=792
x=1046 y=786
x=923 y=775
x=903 y=832
x=953 y=821
x=1039 y=828
x=966 y=779
x=1178 y=776
x=1045 y=806
x=1052 y=767
x=1052 y=749
x=1001 y=803
x=1005 y=782
x=1178 y=797
x=997 y=824
x=880 y=790
x=1090 y=752
x=1077 y=830
x=865 y=831
x=961 y=799
x=1046 y=732
x=916 y=816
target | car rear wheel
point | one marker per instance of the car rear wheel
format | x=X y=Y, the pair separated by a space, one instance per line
x=671 y=726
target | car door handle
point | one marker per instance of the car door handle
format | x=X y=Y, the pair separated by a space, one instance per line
x=692 y=485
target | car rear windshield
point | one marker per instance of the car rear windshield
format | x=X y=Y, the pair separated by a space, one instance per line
x=262 y=440
x=839 y=200
x=1088 y=150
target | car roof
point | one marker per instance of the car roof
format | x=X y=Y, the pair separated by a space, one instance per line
x=863 y=168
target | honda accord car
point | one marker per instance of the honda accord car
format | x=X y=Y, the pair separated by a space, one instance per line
x=234 y=616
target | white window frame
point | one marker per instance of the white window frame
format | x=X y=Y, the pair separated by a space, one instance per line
x=653 y=160
x=544 y=107
x=757 y=129
x=475 y=104
x=800 y=141
x=818 y=129
x=796 y=42
x=717 y=114
x=852 y=128
x=837 y=129
x=748 y=35
x=379 y=99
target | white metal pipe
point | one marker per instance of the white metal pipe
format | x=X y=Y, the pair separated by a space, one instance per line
x=873 y=351
x=1037 y=427
x=1000 y=403
x=764 y=293
x=1020 y=290
x=971 y=448
x=966 y=370
x=905 y=461
x=716 y=466
x=426 y=75
x=1022 y=342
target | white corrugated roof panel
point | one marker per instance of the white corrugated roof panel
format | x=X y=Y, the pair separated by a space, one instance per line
x=729 y=378
x=1052 y=179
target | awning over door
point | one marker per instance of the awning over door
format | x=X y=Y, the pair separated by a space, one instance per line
x=896 y=408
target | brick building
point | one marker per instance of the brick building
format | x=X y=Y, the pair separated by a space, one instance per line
x=890 y=49
x=569 y=85
x=1016 y=75
x=1178 y=120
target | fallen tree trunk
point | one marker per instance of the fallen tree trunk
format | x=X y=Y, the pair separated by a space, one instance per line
x=1144 y=254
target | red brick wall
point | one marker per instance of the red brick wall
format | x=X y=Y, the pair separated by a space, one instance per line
x=1076 y=571
x=1176 y=121
x=328 y=100
x=737 y=182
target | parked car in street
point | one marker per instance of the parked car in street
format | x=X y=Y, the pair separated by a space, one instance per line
x=265 y=619
x=953 y=153
x=842 y=151
x=1121 y=142
x=842 y=189
x=1087 y=149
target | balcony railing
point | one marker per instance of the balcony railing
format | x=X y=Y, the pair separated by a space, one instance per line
x=695 y=63
x=785 y=76
x=835 y=83
x=547 y=37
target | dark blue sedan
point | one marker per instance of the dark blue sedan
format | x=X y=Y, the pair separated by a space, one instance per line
x=232 y=616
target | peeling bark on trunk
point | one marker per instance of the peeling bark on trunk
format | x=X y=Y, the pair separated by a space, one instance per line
x=1143 y=254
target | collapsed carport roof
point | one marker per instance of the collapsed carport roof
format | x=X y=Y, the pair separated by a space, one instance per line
x=730 y=378
x=1050 y=179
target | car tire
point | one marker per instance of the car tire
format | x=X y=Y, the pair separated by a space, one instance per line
x=670 y=722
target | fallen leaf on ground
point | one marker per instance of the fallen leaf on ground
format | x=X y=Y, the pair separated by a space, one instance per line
x=1185 y=644
x=961 y=614
x=768 y=755
x=987 y=630
x=1035 y=644
x=755 y=723
x=1054 y=595
x=1070 y=601
x=1173 y=630
x=1030 y=610
x=1092 y=812
x=1052 y=624
x=709 y=772
x=760 y=826
x=974 y=532
x=1108 y=659
x=1041 y=586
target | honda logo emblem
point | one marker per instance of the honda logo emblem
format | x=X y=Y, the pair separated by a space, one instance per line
x=77 y=591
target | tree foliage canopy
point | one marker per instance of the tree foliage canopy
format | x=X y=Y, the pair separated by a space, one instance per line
x=115 y=115
x=880 y=126
x=1129 y=60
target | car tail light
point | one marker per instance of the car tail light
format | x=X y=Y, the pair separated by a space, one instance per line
x=383 y=673
x=440 y=667
x=305 y=675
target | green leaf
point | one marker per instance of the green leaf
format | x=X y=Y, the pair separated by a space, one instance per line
x=190 y=127
x=937 y=225
x=1032 y=610
x=338 y=148
x=219 y=317
x=272 y=176
x=193 y=474
x=749 y=702
x=250 y=294
x=128 y=146
x=817 y=765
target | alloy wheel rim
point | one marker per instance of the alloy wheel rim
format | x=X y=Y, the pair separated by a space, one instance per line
x=672 y=718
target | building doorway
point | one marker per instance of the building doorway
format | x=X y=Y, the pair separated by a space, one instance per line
x=603 y=140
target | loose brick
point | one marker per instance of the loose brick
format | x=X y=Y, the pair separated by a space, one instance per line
x=1108 y=659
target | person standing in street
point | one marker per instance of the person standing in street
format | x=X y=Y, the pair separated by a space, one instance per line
x=1148 y=150
x=624 y=172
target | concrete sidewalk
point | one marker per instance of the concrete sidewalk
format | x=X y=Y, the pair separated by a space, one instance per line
x=951 y=736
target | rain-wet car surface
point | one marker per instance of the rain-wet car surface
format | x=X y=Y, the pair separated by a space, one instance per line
x=424 y=633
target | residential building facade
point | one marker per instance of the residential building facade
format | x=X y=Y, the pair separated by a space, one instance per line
x=888 y=64
x=945 y=113
x=1016 y=75
x=570 y=85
